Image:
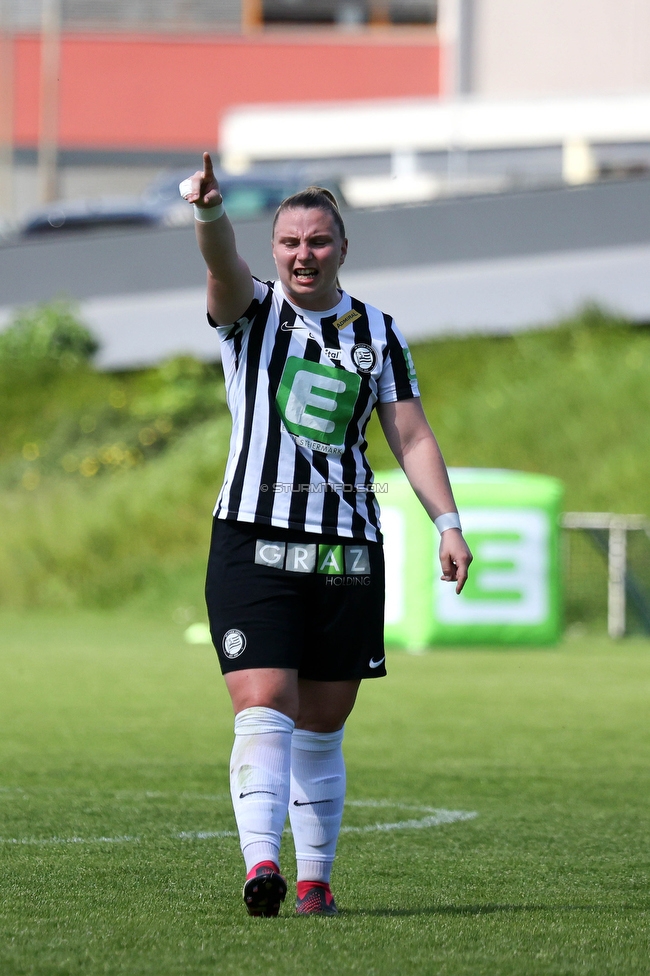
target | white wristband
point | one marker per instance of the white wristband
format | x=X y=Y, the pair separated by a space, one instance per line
x=205 y=214
x=448 y=521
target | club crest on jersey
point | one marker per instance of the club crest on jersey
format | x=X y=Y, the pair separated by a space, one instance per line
x=364 y=357
x=350 y=316
x=233 y=643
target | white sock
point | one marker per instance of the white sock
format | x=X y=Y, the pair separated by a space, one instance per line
x=316 y=800
x=259 y=781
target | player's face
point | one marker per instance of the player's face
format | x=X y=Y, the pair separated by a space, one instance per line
x=308 y=250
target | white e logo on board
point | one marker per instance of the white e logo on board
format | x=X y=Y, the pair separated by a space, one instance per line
x=509 y=579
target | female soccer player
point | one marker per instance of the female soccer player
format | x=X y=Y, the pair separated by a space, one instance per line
x=295 y=583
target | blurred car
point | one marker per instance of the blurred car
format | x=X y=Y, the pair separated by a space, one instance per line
x=79 y=215
x=246 y=197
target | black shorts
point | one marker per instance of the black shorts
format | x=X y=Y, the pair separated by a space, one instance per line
x=278 y=598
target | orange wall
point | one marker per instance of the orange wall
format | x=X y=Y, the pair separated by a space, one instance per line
x=164 y=93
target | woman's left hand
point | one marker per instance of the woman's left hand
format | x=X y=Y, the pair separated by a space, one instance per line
x=455 y=558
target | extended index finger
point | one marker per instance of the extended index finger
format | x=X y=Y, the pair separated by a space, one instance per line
x=208 y=168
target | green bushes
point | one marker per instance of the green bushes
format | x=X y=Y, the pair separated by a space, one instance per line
x=64 y=419
x=572 y=401
x=107 y=481
x=74 y=543
x=44 y=339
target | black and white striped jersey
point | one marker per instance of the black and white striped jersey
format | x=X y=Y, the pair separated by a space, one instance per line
x=301 y=387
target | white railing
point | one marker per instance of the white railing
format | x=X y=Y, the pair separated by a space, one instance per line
x=617 y=526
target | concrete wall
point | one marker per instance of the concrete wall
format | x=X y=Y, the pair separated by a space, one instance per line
x=541 y=47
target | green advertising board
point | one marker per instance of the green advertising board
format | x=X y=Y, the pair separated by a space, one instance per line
x=513 y=596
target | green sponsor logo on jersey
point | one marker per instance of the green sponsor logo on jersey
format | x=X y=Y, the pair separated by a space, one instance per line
x=316 y=402
x=410 y=367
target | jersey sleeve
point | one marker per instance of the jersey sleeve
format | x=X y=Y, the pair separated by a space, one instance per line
x=397 y=380
x=261 y=291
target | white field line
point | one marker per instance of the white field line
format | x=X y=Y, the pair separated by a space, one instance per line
x=394 y=804
x=116 y=794
x=435 y=818
x=41 y=841
x=204 y=834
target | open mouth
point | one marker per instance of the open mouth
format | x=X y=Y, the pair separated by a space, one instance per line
x=305 y=274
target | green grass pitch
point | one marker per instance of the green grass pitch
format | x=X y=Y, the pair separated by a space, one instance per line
x=117 y=849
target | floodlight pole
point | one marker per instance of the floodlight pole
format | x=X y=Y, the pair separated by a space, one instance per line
x=456 y=30
x=49 y=107
x=465 y=48
x=6 y=112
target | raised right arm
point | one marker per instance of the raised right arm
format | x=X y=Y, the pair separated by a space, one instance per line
x=230 y=284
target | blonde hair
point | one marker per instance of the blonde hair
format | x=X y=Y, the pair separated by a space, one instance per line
x=312 y=198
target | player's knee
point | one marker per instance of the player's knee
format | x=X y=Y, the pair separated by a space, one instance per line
x=264 y=689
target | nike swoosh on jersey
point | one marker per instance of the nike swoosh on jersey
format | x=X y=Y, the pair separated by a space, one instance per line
x=286 y=327
x=376 y=664
x=270 y=793
x=310 y=803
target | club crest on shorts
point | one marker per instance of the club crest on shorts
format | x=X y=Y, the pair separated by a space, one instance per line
x=233 y=643
x=364 y=357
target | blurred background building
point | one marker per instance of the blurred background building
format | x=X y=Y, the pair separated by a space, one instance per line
x=109 y=91
x=498 y=131
x=123 y=88
x=104 y=93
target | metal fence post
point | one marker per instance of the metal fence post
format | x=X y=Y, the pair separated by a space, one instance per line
x=616 y=578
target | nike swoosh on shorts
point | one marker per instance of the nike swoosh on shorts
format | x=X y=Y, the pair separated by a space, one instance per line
x=376 y=664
